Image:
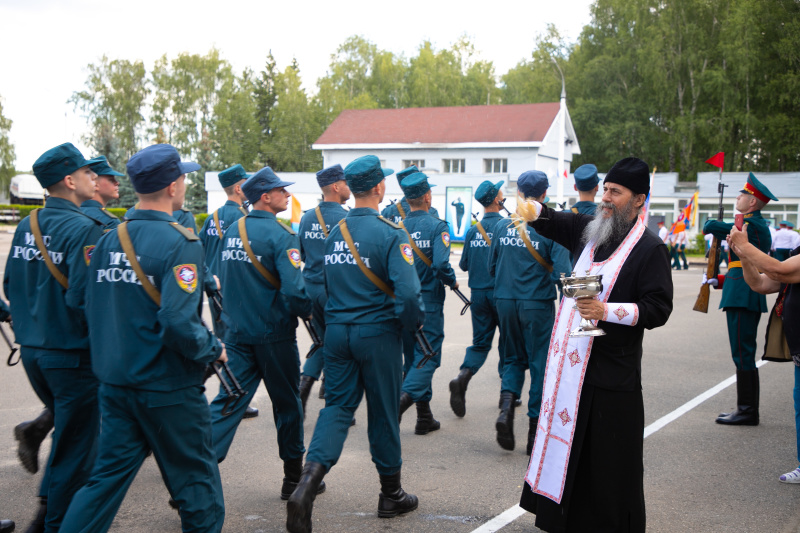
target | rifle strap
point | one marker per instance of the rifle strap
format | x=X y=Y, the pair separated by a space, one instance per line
x=216 y=224
x=108 y=213
x=130 y=253
x=253 y=259
x=37 y=236
x=575 y=210
x=243 y=210
x=527 y=240
x=321 y=221
x=483 y=232
x=400 y=209
x=378 y=282
x=416 y=249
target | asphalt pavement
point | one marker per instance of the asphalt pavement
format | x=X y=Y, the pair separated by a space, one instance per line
x=699 y=476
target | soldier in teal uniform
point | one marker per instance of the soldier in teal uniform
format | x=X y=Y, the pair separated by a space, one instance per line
x=459 y=205
x=184 y=217
x=524 y=291
x=260 y=332
x=586 y=183
x=107 y=190
x=50 y=322
x=364 y=318
x=335 y=193
x=392 y=211
x=430 y=241
x=742 y=305
x=475 y=261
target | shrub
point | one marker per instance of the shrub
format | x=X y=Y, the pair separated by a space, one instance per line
x=200 y=219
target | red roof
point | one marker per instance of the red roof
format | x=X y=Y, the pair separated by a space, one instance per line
x=433 y=125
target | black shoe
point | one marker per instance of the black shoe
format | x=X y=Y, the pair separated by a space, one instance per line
x=405 y=403
x=7 y=526
x=301 y=502
x=251 y=412
x=30 y=436
x=458 y=392
x=517 y=401
x=353 y=422
x=37 y=526
x=172 y=503
x=425 y=421
x=321 y=395
x=306 y=382
x=292 y=470
x=393 y=499
x=747 y=396
x=505 y=422
x=532 y=424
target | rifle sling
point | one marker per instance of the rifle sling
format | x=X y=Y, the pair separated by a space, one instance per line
x=253 y=259
x=539 y=259
x=378 y=282
x=37 y=236
x=216 y=224
x=130 y=253
x=483 y=232
x=401 y=210
x=416 y=249
x=321 y=221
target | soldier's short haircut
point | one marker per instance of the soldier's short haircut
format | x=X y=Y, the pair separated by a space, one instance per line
x=416 y=202
x=229 y=189
x=327 y=189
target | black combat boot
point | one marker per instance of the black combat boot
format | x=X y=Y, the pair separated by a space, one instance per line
x=301 y=502
x=747 y=399
x=30 y=435
x=458 y=392
x=292 y=470
x=321 y=395
x=393 y=499
x=517 y=401
x=7 y=526
x=425 y=421
x=37 y=526
x=250 y=412
x=306 y=382
x=532 y=424
x=505 y=422
x=405 y=403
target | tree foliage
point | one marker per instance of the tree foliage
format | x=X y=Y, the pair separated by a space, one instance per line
x=7 y=156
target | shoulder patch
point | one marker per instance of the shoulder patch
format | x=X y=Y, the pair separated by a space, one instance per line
x=408 y=253
x=87 y=253
x=188 y=235
x=287 y=228
x=386 y=220
x=446 y=238
x=186 y=276
x=294 y=257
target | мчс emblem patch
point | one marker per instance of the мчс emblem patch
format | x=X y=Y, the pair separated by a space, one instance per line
x=186 y=276
x=408 y=253
x=294 y=256
x=446 y=238
x=87 y=253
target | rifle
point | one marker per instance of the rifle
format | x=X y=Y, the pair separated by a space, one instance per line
x=222 y=370
x=10 y=347
x=464 y=299
x=503 y=207
x=701 y=304
x=424 y=346
x=316 y=340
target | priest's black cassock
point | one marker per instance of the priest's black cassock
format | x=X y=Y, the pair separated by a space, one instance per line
x=604 y=488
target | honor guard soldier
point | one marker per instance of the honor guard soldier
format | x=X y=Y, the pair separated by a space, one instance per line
x=315 y=226
x=429 y=238
x=107 y=190
x=526 y=267
x=45 y=283
x=261 y=258
x=398 y=211
x=364 y=319
x=150 y=351
x=586 y=183
x=742 y=305
x=475 y=261
x=182 y=215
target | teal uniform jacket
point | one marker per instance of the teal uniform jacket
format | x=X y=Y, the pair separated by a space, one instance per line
x=45 y=314
x=155 y=348
x=255 y=311
x=735 y=291
x=95 y=210
x=585 y=208
x=355 y=299
x=475 y=257
x=432 y=237
x=182 y=215
x=209 y=235
x=392 y=213
x=312 y=239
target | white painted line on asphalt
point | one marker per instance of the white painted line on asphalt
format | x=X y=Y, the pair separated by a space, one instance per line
x=502 y=520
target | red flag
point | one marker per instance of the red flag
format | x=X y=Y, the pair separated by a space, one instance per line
x=565 y=173
x=717 y=160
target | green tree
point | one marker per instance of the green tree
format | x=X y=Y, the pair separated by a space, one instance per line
x=235 y=130
x=7 y=155
x=434 y=78
x=265 y=96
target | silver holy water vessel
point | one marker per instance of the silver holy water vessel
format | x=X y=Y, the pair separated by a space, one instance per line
x=579 y=287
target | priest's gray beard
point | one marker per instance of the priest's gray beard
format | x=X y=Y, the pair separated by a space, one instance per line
x=613 y=229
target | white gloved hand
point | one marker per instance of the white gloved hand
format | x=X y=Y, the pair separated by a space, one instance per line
x=713 y=281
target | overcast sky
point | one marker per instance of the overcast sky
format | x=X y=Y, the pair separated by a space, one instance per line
x=45 y=45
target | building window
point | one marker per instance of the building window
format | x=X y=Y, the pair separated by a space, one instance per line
x=453 y=166
x=419 y=163
x=495 y=166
